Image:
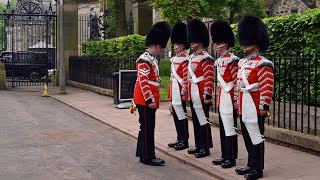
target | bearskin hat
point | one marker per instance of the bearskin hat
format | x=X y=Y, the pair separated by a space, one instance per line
x=252 y=31
x=179 y=34
x=198 y=32
x=159 y=34
x=222 y=32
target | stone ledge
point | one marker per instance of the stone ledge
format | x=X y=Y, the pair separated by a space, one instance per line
x=99 y=90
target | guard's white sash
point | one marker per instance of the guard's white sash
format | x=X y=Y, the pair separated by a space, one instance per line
x=226 y=106
x=195 y=97
x=176 y=94
x=249 y=111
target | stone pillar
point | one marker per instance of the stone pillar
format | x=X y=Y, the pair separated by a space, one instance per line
x=2 y=76
x=142 y=15
x=70 y=23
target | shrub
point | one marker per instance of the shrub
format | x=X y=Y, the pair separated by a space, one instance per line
x=294 y=43
x=294 y=32
x=123 y=47
x=164 y=67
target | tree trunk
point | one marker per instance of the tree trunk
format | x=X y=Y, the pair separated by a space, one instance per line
x=121 y=19
x=231 y=17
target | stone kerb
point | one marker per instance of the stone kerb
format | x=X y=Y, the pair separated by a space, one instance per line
x=2 y=76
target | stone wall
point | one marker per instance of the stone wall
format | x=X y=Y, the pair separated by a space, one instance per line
x=284 y=7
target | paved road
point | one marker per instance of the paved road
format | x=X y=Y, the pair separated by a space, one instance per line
x=41 y=138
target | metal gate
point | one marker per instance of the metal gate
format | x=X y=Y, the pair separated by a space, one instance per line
x=28 y=40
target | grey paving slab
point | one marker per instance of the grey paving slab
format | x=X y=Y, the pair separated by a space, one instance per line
x=41 y=138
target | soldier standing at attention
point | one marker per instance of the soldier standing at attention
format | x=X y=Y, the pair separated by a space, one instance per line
x=146 y=91
x=255 y=85
x=227 y=68
x=200 y=88
x=178 y=85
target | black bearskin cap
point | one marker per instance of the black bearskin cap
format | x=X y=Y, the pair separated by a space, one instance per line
x=222 y=32
x=198 y=32
x=159 y=34
x=179 y=34
x=252 y=31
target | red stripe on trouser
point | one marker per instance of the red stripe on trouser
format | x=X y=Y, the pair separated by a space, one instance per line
x=145 y=133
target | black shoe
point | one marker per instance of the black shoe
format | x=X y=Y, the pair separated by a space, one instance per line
x=218 y=161
x=243 y=170
x=253 y=175
x=171 y=145
x=182 y=145
x=193 y=151
x=202 y=153
x=228 y=163
x=153 y=162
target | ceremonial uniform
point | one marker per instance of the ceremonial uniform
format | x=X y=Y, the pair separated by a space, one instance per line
x=255 y=86
x=178 y=86
x=146 y=91
x=227 y=68
x=200 y=87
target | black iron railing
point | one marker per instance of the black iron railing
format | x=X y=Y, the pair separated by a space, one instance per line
x=296 y=98
x=98 y=71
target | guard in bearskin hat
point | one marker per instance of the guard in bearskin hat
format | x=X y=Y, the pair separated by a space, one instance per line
x=255 y=86
x=200 y=87
x=227 y=68
x=146 y=91
x=178 y=85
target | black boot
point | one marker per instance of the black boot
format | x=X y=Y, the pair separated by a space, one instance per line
x=181 y=145
x=193 y=151
x=202 y=153
x=154 y=162
x=243 y=170
x=171 y=145
x=253 y=175
x=228 y=163
x=218 y=161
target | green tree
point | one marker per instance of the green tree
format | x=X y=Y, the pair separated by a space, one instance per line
x=116 y=18
x=231 y=10
x=3 y=9
x=238 y=8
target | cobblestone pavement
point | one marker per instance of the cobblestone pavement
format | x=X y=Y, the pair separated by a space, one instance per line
x=41 y=138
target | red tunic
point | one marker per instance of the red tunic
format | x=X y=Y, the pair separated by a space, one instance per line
x=258 y=70
x=181 y=66
x=228 y=68
x=202 y=64
x=148 y=80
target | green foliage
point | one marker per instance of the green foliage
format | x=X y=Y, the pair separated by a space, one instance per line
x=294 y=32
x=3 y=9
x=230 y=10
x=123 y=47
x=116 y=18
x=294 y=43
x=165 y=67
x=165 y=83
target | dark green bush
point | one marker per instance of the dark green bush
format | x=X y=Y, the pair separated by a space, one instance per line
x=294 y=32
x=123 y=47
x=294 y=48
x=164 y=67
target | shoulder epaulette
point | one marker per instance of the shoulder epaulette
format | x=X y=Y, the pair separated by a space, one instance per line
x=265 y=62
